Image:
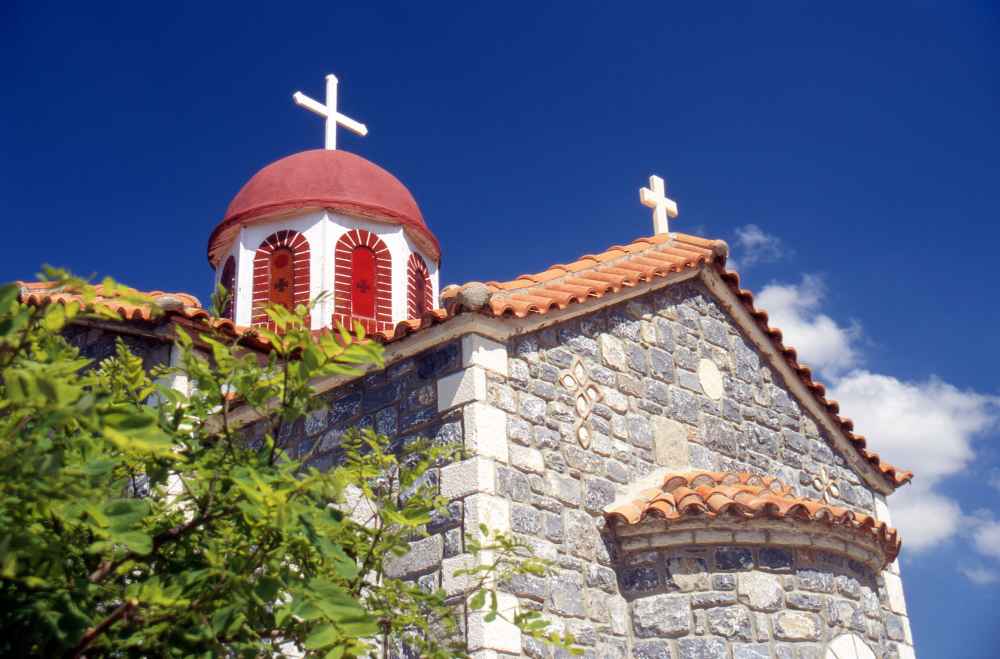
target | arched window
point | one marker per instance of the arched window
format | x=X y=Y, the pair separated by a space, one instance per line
x=362 y=282
x=228 y=281
x=280 y=273
x=419 y=293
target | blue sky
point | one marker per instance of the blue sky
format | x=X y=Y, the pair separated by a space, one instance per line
x=848 y=153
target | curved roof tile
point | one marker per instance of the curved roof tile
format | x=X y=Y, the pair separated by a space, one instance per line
x=715 y=494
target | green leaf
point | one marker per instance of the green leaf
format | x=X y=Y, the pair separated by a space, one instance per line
x=139 y=542
x=267 y=589
x=323 y=636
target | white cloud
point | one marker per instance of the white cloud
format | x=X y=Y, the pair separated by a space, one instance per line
x=928 y=426
x=924 y=517
x=994 y=479
x=821 y=342
x=985 y=533
x=981 y=576
x=754 y=245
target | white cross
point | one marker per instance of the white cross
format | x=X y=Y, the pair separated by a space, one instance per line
x=329 y=112
x=656 y=199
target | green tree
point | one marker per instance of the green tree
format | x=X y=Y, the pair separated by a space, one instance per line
x=137 y=519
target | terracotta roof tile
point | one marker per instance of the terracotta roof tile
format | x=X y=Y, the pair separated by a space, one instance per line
x=644 y=260
x=182 y=305
x=590 y=277
x=714 y=494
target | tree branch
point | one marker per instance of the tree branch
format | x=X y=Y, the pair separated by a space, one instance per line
x=123 y=610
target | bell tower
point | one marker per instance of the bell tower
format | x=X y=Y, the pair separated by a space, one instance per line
x=326 y=221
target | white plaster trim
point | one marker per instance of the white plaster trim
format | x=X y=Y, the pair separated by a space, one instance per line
x=794 y=382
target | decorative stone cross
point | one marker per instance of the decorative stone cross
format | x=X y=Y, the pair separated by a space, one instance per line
x=826 y=484
x=655 y=197
x=329 y=112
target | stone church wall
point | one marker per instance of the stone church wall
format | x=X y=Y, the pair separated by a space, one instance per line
x=526 y=471
x=644 y=356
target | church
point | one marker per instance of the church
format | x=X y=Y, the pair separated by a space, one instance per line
x=630 y=414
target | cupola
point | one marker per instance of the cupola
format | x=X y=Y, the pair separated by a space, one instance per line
x=326 y=221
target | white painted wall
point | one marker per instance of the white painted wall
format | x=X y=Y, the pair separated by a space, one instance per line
x=323 y=229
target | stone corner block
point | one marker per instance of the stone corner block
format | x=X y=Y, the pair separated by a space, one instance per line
x=463 y=387
x=486 y=431
x=459 y=479
x=489 y=354
x=423 y=555
x=894 y=590
x=486 y=509
x=882 y=510
x=451 y=583
x=499 y=635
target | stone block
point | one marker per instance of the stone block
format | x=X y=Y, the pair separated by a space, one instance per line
x=597 y=493
x=754 y=651
x=711 y=536
x=796 y=626
x=775 y=558
x=566 y=594
x=708 y=600
x=465 y=386
x=732 y=622
x=662 y=616
x=498 y=635
x=701 y=648
x=525 y=519
x=460 y=479
x=894 y=592
x=688 y=573
x=805 y=601
x=479 y=351
x=761 y=591
x=670 y=445
x=423 y=555
x=733 y=558
x=486 y=431
x=612 y=352
x=526 y=459
x=486 y=509
x=651 y=650
x=451 y=583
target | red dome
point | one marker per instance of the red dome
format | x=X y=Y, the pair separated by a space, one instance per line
x=321 y=178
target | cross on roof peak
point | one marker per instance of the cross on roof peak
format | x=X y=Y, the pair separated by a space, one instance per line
x=655 y=197
x=329 y=112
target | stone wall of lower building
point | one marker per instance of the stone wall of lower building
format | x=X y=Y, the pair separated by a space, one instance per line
x=98 y=343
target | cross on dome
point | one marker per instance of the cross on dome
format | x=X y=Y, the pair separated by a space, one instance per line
x=329 y=112
x=655 y=197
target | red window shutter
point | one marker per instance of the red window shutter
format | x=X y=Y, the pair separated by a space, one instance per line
x=363 y=282
x=282 y=278
x=420 y=294
x=229 y=283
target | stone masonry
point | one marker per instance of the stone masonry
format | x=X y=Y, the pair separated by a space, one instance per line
x=671 y=383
